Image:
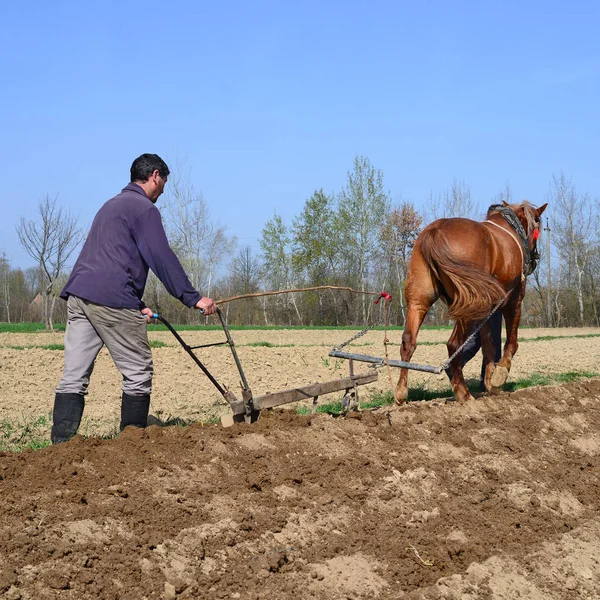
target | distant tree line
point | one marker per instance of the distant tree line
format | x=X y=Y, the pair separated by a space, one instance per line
x=358 y=237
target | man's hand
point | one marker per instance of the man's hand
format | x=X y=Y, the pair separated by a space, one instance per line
x=147 y=312
x=207 y=305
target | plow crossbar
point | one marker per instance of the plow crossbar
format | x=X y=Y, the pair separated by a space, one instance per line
x=381 y=361
x=306 y=392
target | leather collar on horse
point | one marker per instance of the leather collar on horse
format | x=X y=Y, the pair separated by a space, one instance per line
x=530 y=257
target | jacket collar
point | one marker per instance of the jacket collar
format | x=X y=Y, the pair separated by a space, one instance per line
x=134 y=187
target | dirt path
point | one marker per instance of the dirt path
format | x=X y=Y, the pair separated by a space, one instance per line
x=495 y=499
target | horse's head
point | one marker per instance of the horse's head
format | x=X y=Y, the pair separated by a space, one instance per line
x=530 y=218
x=526 y=220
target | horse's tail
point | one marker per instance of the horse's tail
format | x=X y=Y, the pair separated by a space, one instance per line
x=470 y=292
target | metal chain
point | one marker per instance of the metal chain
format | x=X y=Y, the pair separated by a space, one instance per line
x=446 y=363
x=358 y=335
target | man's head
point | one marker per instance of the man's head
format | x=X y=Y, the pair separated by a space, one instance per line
x=150 y=172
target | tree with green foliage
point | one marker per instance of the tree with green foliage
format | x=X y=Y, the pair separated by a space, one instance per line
x=363 y=206
x=316 y=252
x=278 y=267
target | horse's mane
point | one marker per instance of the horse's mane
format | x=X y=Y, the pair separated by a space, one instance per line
x=526 y=208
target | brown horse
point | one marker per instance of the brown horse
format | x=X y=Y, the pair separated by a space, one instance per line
x=473 y=267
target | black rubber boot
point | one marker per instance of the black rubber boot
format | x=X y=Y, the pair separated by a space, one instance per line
x=134 y=410
x=66 y=416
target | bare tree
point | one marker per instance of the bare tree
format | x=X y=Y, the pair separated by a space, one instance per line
x=31 y=284
x=245 y=279
x=245 y=270
x=399 y=233
x=200 y=243
x=453 y=202
x=504 y=195
x=575 y=231
x=50 y=241
x=593 y=269
x=5 y=285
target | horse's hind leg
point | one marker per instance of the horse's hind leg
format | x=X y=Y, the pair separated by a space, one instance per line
x=512 y=316
x=414 y=317
x=458 y=337
x=420 y=293
x=489 y=358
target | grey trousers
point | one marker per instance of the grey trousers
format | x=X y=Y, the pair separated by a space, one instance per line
x=122 y=330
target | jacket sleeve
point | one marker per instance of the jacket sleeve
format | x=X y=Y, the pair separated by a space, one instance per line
x=151 y=239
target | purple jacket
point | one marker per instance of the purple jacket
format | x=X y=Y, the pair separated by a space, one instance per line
x=127 y=237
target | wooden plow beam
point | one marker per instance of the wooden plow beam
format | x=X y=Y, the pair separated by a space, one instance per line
x=309 y=392
x=375 y=360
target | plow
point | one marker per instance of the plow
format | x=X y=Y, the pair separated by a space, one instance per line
x=247 y=408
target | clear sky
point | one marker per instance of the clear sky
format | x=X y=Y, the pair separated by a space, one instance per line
x=270 y=100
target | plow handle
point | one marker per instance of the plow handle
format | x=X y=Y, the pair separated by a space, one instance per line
x=190 y=352
x=229 y=396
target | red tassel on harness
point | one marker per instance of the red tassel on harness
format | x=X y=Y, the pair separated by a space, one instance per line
x=384 y=296
x=536 y=234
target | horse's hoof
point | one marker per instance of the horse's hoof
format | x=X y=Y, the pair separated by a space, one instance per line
x=463 y=399
x=494 y=391
x=400 y=396
x=499 y=376
x=466 y=399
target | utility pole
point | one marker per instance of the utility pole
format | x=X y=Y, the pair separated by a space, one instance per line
x=548 y=297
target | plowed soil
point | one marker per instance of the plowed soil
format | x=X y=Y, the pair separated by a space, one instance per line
x=498 y=498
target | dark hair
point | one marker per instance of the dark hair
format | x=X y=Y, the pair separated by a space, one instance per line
x=143 y=166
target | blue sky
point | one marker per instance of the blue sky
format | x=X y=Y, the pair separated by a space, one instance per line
x=268 y=101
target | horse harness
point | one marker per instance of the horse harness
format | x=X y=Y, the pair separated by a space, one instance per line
x=530 y=257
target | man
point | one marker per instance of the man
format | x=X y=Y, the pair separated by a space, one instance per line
x=104 y=298
x=472 y=348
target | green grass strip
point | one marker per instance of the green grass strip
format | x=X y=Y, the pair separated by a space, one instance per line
x=265 y=345
x=26 y=433
x=28 y=328
x=36 y=346
x=158 y=344
x=40 y=328
x=420 y=393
